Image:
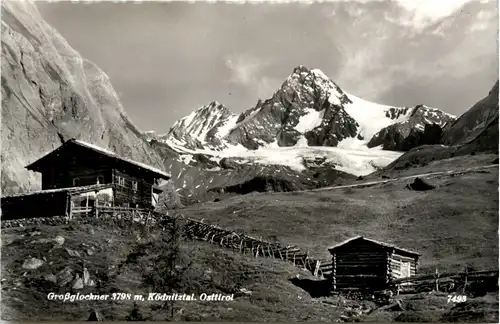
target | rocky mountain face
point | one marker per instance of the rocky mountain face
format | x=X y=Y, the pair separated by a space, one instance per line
x=49 y=94
x=477 y=128
x=422 y=127
x=308 y=109
x=206 y=125
x=308 y=105
x=476 y=131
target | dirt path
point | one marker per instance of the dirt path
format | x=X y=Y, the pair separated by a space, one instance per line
x=372 y=183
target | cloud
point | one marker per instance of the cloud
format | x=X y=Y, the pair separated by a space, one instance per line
x=250 y=72
x=238 y=53
x=244 y=69
x=422 y=13
x=432 y=9
x=266 y=86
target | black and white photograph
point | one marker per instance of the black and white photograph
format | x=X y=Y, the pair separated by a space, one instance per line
x=250 y=161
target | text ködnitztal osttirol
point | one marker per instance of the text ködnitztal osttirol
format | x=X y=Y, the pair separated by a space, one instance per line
x=78 y=297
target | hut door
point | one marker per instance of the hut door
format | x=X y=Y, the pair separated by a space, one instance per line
x=405 y=269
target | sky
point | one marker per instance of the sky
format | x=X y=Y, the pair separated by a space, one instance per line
x=166 y=59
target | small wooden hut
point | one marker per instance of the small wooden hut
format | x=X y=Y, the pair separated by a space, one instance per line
x=364 y=264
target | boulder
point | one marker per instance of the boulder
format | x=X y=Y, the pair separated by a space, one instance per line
x=420 y=185
x=42 y=241
x=32 y=263
x=228 y=163
x=86 y=277
x=59 y=240
x=65 y=276
x=78 y=283
x=50 y=277
x=245 y=291
x=73 y=253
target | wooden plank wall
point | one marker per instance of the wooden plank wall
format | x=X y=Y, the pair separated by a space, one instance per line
x=395 y=262
x=359 y=265
x=76 y=163
x=124 y=194
x=35 y=206
x=88 y=166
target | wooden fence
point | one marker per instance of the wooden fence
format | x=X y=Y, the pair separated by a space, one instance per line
x=195 y=229
x=246 y=244
x=124 y=214
x=449 y=281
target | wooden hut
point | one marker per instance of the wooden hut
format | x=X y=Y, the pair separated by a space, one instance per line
x=364 y=264
x=77 y=163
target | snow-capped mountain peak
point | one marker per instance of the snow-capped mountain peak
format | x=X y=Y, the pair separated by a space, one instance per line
x=372 y=117
x=202 y=127
x=308 y=110
x=314 y=81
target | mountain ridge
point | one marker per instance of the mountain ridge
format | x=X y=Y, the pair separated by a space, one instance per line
x=308 y=107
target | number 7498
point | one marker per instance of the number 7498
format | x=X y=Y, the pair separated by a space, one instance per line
x=457 y=298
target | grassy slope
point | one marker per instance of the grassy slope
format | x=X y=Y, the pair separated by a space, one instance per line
x=28 y=301
x=432 y=158
x=452 y=225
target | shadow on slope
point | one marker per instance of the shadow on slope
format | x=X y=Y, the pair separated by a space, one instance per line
x=197 y=184
x=283 y=179
x=471 y=126
x=315 y=288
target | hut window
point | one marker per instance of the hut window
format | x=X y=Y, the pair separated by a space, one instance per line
x=100 y=180
x=76 y=182
x=121 y=181
x=134 y=185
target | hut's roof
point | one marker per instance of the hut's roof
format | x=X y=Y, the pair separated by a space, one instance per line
x=161 y=174
x=388 y=245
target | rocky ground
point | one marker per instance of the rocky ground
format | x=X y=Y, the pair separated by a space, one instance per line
x=36 y=261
